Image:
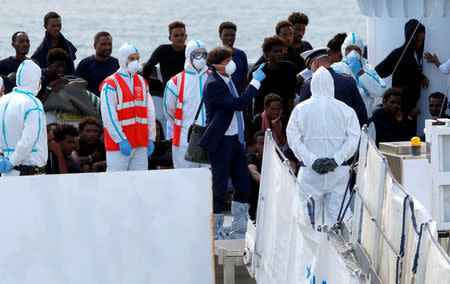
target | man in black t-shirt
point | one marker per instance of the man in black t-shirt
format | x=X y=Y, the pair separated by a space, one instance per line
x=285 y=31
x=391 y=123
x=170 y=58
x=95 y=68
x=21 y=44
x=280 y=77
x=299 y=22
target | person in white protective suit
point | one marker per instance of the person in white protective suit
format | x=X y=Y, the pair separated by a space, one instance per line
x=370 y=85
x=23 y=128
x=323 y=133
x=128 y=115
x=182 y=98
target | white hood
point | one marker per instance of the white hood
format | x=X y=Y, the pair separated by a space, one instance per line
x=28 y=77
x=126 y=50
x=351 y=39
x=192 y=45
x=322 y=84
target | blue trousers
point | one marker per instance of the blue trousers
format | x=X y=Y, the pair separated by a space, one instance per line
x=229 y=161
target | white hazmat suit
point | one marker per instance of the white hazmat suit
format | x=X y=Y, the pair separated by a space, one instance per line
x=23 y=126
x=370 y=85
x=115 y=160
x=445 y=67
x=192 y=95
x=323 y=127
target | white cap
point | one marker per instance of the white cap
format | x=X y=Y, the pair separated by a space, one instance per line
x=310 y=54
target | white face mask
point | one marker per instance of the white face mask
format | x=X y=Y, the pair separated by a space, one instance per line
x=230 y=67
x=133 y=66
x=199 y=64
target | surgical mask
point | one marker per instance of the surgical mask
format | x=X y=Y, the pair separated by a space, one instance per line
x=353 y=54
x=199 y=64
x=230 y=67
x=133 y=66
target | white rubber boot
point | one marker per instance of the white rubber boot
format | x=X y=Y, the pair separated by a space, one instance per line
x=220 y=233
x=240 y=219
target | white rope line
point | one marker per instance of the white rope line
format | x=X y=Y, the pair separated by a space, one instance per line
x=404 y=50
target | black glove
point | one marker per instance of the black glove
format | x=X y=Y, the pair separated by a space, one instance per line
x=329 y=165
x=318 y=166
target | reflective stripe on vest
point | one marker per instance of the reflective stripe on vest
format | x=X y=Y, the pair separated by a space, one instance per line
x=178 y=110
x=132 y=111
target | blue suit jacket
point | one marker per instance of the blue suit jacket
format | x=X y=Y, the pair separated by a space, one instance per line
x=220 y=105
x=345 y=90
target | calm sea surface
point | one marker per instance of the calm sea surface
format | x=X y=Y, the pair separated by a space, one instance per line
x=145 y=22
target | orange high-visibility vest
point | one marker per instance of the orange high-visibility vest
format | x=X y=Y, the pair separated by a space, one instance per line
x=131 y=111
x=179 y=108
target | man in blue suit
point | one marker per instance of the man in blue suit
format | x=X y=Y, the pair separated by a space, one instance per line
x=224 y=139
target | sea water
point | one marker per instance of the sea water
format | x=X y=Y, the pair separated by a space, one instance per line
x=144 y=23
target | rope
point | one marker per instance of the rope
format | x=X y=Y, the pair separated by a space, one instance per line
x=397 y=268
x=406 y=47
x=416 y=256
x=311 y=210
x=347 y=188
x=348 y=205
x=402 y=240
x=413 y=217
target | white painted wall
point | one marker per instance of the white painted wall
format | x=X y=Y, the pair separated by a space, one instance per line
x=385 y=31
x=122 y=227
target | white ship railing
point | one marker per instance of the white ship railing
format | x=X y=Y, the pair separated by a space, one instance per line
x=393 y=238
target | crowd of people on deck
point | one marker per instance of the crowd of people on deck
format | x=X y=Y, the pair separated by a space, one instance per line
x=115 y=114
